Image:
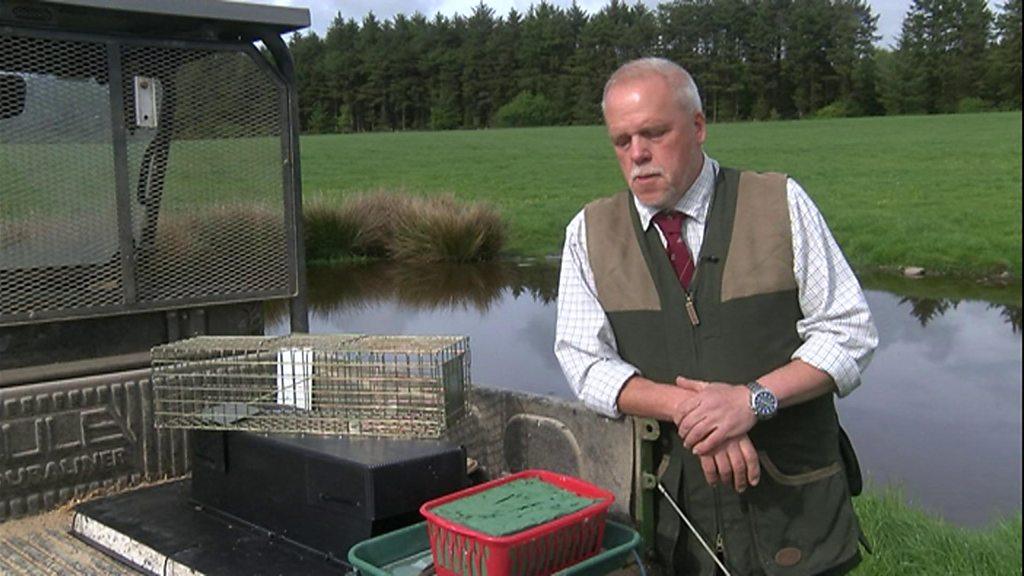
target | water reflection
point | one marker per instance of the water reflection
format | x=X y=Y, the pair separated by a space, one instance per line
x=927 y=309
x=931 y=298
x=481 y=286
x=1011 y=315
x=429 y=287
x=939 y=411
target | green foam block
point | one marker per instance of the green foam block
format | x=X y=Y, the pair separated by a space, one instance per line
x=513 y=507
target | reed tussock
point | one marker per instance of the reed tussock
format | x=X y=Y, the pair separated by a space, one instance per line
x=330 y=229
x=441 y=229
x=376 y=214
x=386 y=224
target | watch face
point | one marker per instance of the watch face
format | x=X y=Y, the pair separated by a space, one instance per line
x=765 y=403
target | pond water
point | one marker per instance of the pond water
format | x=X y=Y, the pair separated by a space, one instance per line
x=938 y=413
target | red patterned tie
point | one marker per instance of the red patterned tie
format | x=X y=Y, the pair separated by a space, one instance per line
x=671 y=225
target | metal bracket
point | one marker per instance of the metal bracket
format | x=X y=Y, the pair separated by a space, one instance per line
x=146 y=111
x=649 y=429
x=646 y=432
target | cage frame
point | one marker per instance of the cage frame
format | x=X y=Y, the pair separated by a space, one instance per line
x=394 y=386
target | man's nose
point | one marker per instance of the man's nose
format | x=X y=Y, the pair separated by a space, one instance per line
x=639 y=151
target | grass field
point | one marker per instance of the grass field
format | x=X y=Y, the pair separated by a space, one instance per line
x=907 y=542
x=943 y=192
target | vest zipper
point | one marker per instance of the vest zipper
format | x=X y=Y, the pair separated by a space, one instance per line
x=691 y=310
x=719 y=540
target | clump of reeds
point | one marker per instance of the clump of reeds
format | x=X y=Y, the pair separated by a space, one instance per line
x=441 y=229
x=403 y=227
x=376 y=214
x=330 y=229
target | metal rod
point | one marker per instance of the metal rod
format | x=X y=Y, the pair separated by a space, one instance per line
x=298 y=305
x=693 y=529
x=122 y=193
x=73 y=369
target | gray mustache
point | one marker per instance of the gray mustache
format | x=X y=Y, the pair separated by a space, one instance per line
x=639 y=171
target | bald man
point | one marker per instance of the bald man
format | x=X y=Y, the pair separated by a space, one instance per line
x=717 y=301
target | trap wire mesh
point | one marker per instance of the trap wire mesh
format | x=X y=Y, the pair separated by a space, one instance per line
x=351 y=384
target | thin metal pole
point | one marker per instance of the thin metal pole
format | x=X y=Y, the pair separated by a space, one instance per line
x=298 y=305
x=123 y=202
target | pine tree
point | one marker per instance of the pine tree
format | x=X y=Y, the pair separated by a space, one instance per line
x=308 y=54
x=477 y=68
x=942 y=51
x=1005 y=68
x=851 y=53
x=343 y=74
x=545 y=48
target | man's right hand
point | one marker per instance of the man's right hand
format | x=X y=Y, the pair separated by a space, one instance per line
x=735 y=462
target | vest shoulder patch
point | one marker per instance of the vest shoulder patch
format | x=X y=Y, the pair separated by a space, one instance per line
x=760 y=257
x=623 y=281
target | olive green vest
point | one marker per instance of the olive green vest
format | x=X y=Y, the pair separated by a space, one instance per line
x=799 y=519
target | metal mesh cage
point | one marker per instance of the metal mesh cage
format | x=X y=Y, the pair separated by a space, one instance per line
x=138 y=174
x=395 y=386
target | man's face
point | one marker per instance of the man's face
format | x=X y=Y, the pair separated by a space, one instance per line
x=657 y=142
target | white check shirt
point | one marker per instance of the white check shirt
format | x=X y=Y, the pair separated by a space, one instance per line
x=838 y=333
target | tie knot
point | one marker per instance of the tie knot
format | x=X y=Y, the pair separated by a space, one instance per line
x=670 y=221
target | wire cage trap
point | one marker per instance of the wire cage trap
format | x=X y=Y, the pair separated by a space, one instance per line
x=351 y=384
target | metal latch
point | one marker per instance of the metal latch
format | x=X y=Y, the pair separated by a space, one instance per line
x=145 y=101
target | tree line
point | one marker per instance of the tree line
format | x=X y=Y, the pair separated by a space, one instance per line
x=753 y=59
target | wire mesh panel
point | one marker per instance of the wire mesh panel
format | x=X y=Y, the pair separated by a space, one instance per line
x=58 y=222
x=165 y=188
x=396 y=386
x=206 y=174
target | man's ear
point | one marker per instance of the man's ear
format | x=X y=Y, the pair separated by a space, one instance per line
x=700 y=126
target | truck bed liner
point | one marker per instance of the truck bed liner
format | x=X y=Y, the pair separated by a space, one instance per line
x=43 y=545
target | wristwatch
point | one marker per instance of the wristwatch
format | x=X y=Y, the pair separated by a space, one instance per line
x=762 y=401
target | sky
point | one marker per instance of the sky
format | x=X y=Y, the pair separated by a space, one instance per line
x=322 y=12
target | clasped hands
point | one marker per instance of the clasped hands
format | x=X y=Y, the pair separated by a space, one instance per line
x=713 y=421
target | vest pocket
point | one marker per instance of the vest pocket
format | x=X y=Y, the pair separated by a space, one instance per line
x=801 y=523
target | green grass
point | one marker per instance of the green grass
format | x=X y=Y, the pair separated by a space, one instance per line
x=943 y=192
x=909 y=542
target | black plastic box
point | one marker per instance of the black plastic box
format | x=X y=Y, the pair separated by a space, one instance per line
x=326 y=493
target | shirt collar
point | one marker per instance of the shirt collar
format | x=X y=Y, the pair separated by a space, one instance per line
x=694 y=203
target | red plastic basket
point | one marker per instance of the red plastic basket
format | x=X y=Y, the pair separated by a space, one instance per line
x=537 y=551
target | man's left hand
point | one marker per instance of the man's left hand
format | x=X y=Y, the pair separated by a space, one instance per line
x=716 y=413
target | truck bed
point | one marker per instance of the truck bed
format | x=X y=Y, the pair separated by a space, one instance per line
x=43 y=545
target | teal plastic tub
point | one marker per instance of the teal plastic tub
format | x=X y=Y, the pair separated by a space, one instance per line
x=406 y=552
